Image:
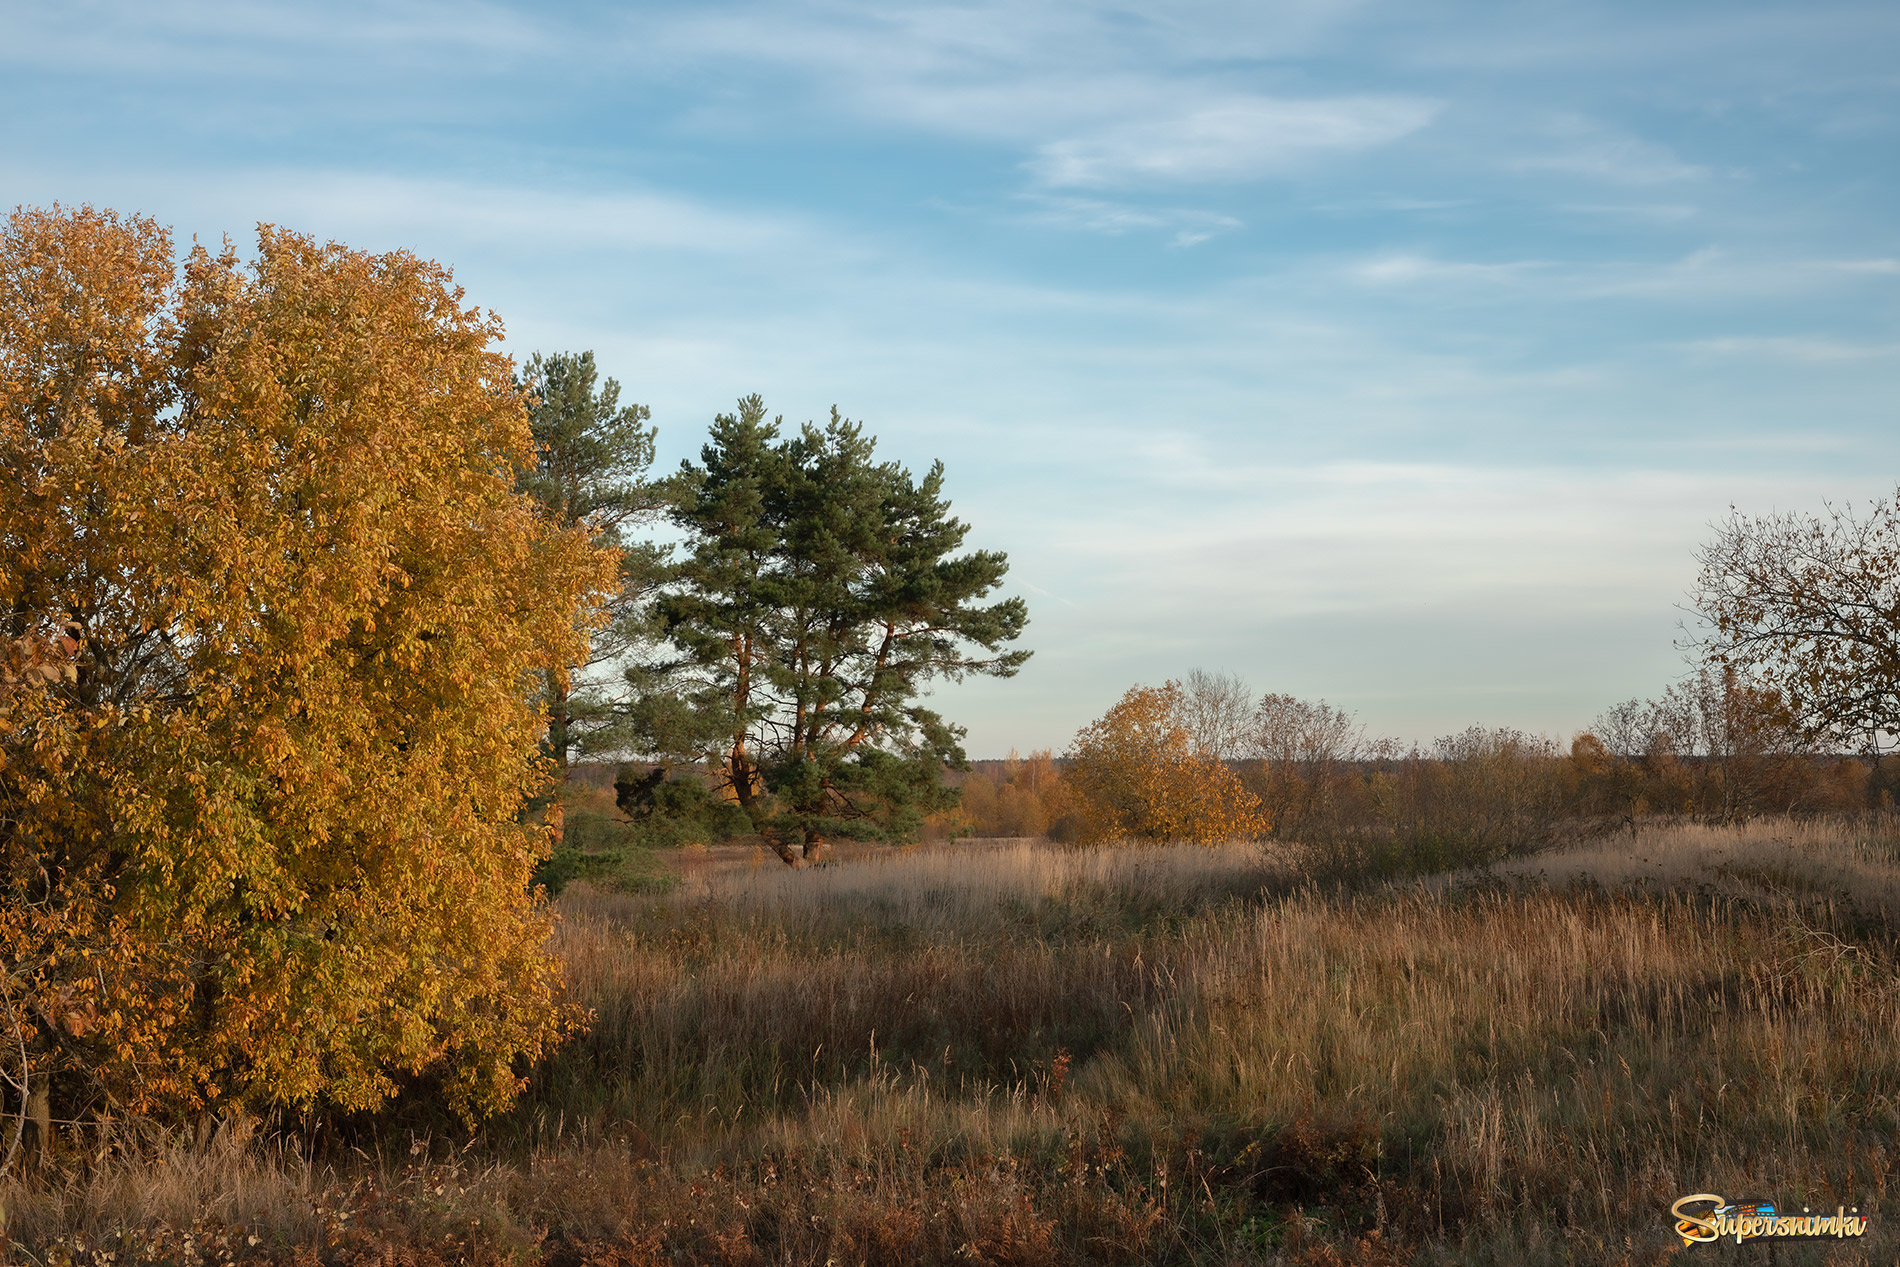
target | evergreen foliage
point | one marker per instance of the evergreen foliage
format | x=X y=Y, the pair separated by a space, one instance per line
x=589 y=472
x=820 y=594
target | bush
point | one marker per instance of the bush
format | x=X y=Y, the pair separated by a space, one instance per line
x=1136 y=773
x=606 y=853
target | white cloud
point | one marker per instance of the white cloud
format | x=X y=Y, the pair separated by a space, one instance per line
x=1708 y=272
x=1265 y=542
x=1580 y=147
x=1099 y=99
x=1646 y=213
x=429 y=214
x=1239 y=137
x=1095 y=215
x=503 y=213
x=1405 y=270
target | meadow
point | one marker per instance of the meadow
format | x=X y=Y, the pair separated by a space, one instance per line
x=1023 y=1053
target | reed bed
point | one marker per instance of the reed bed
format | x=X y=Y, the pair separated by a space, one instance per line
x=1028 y=1054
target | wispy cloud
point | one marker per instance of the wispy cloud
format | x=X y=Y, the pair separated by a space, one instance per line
x=1407 y=270
x=1236 y=138
x=1650 y=213
x=435 y=212
x=1097 y=99
x=1188 y=226
x=1711 y=272
x=1705 y=273
x=1575 y=146
x=1370 y=536
x=626 y=220
x=1806 y=349
x=237 y=40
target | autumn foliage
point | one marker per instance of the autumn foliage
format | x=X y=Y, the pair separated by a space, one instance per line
x=1137 y=772
x=1026 y=797
x=260 y=845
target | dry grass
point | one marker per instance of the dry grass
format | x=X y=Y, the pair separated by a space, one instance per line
x=957 y=885
x=1771 y=859
x=1033 y=1055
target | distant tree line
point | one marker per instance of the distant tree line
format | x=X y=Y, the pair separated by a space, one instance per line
x=1204 y=758
x=1791 y=705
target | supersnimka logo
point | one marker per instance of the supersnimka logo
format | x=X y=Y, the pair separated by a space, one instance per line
x=1705 y=1217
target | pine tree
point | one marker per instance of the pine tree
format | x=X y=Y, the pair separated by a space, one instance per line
x=820 y=595
x=591 y=457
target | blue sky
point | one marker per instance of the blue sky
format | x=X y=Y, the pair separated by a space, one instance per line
x=1398 y=354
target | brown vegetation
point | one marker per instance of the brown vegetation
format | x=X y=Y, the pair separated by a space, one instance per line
x=1028 y=1055
x=1187 y=761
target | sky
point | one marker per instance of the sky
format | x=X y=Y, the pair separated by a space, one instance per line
x=1396 y=353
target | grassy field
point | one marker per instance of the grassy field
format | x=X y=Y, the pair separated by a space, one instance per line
x=1025 y=1054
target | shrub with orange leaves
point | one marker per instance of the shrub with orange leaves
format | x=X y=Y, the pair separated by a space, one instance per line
x=261 y=845
x=1136 y=772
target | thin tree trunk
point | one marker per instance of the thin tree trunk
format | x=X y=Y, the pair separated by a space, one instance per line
x=558 y=719
x=39 y=1121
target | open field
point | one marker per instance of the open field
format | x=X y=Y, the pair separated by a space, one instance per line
x=1016 y=1053
x=696 y=866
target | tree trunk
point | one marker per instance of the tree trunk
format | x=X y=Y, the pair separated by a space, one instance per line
x=743 y=778
x=739 y=775
x=1880 y=798
x=39 y=1123
x=558 y=719
x=814 y=842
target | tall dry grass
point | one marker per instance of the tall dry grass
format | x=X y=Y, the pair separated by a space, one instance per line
x=1851 y=861
x=1033 y=1055
x=961 y=964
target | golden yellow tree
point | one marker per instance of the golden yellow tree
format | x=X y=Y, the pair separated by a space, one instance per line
x=1136 y=772
x=260 y=843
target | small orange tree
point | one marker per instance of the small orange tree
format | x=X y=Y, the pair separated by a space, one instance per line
x=260 y=844
x=1136 y=772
